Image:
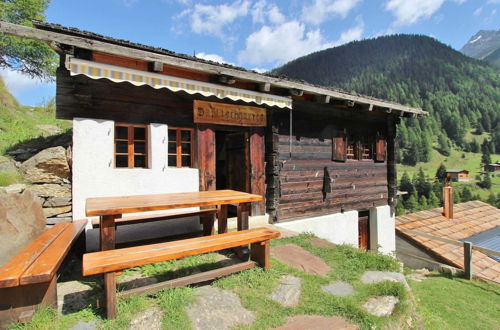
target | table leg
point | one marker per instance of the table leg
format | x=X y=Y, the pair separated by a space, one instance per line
x=222 y=219
x=107 y=231
x=242 y=211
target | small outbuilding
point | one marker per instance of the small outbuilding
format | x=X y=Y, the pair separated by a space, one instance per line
x=494 y=167
x=458 y=175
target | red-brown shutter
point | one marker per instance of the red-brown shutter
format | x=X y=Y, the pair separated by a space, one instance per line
x=339 y=148
x=380 y=149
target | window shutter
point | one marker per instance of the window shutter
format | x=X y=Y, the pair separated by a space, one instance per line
x=380 y=149
x=339 y=148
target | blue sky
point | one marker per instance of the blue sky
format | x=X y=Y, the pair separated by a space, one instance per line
x=260 y=34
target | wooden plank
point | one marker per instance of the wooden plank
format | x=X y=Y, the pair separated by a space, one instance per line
x=120 y=50
x=107 y=232
x=257 y=170
x=228 y=114
x=115 y=260
x=437 y=238
x=222 y=219
x=260 y=252
x=110 y=294
x=486 y=251
x=45 y=267
x=242 y=213
x=206 y=157
x=191 y=279
x=143 y=203
x=11 y=272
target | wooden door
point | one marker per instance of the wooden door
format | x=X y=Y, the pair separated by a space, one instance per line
x=238 y=165
x=364 y=233
x=206 y=157
x=258 y=169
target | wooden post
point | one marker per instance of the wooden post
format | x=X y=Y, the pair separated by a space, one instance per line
x=448 y=202
x=107 y=232
x=259 y=252
x=242 y=211
x=272 y=165
x=468 y=260
x=110 y=293
x=222 y=219
x=391 y=163
x=207 y=221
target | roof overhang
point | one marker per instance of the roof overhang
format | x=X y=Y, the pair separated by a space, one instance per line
x=133 y=51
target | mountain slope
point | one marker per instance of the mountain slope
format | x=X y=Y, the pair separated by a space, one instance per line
x=460 y=92
x=482 y=44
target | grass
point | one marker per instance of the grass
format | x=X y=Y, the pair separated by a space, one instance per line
x=8 y=178
x=454 y=303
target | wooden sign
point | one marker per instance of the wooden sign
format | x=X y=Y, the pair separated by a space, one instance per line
x=228 y=114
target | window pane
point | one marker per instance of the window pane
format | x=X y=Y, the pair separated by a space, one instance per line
x=186 y=161
x=121 y=132
x=139 y=133
x=139 y=161
x=121 y=161
x=139 y=147
x=121 y=147
x=172 y=135
x=185 y=135
x=186 y=148
x=172 y=160
x=171 y=147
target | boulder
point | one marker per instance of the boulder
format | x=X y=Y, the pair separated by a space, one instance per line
x=57 y=201
x=16 y=188
x=21 y=221
x=53 y=211
x=8 y=165
x=55 y=220
x=47 y=166
x=50 y=190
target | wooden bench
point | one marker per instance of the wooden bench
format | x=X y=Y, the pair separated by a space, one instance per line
x=110 y=261
x=29 y=278
x=207 y=218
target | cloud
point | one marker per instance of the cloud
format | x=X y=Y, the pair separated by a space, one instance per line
x=213 y=19
x=263 y=12
x=18 y=82
x=212 y=57
x=354 y=33
x=321 y=10
x=478 y=11
x=408 y=12
x=279 y=44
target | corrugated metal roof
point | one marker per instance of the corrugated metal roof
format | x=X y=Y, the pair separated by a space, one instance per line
x=489 y=239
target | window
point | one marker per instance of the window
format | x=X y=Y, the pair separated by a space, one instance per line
x=351 y=149
x=180 y=147
x=366 y=151
x=131 y=146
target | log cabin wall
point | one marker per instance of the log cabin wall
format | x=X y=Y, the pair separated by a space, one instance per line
x=296 y=190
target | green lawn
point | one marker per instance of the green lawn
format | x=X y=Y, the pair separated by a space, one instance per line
x=454 y=303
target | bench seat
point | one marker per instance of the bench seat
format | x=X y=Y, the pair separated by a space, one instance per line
x=28 y=279
x=110 y=261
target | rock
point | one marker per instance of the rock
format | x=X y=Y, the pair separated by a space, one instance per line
x=52 y=211
x=8 y=165
x=57 y=201
x=417 y=277
x=423 y=271
x=321 y=242
x=216 y=309
x=377 y=276
x=51 y=129
x=65 y=215
x=81 y=325
x=16 y=188
x=381 y=305
x=287 y=293
x=301 y=259
x=316 y=322
x=21 y=221
x=48 y=166
x=21 y=155
x=149 y=319
x=73 y=296
x=50 y=190
x=339 y=289
x=445 y=269
x=55 y=220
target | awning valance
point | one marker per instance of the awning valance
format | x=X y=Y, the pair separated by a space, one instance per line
x=114 y=73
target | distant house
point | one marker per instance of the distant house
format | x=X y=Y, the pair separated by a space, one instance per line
x=494 y=167
x=458 y=175
x=476 y=222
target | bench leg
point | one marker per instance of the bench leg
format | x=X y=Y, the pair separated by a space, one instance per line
x=110 y=294
x=208 y=224
x=107 y=232
x=259 y=252
x=222 y=219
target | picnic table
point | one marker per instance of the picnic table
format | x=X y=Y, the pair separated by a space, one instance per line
x=109 y=209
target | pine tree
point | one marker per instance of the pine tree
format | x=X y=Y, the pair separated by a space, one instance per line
x=444 y=147
x=485 y=157
x=411 y=203
x=423 y=203
x=406 y=185
x=491 y=199
x=400 y=209
x=441 y=173
x=466 y=194
x=433 y=200
x=486 y=182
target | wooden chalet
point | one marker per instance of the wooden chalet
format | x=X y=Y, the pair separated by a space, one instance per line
x=458 y=175
x=148 y=120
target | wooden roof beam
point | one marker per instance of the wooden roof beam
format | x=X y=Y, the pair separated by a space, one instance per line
x=295 y=92
x=322 y=98
x=264 y=87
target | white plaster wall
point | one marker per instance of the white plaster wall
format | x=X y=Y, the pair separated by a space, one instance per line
x=94 y=174
x=382 y=230
x=338 y=228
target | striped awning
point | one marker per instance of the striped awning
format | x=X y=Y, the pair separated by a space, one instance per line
x=114 y=73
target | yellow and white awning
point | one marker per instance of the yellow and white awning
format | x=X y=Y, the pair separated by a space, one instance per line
x=114 y=73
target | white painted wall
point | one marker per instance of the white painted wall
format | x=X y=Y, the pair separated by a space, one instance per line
x=94 y=174
x=382 y=230
x=338 y=228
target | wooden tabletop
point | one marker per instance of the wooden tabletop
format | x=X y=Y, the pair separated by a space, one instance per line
x=141 y=203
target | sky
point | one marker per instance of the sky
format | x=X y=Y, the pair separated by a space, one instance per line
x=259 y=34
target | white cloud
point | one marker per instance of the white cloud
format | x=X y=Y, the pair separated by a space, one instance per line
x=354 y=33
x=212 y=20
x=321 y=10
x=408 y=12
x=478 y=11
x=279 y=44
x=212 y=57
x=263 y=12
x=493 y=1
x=18 y=82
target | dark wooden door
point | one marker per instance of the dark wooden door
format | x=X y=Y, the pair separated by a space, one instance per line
x=364 y=233
x=206 y=157
x=238 y=164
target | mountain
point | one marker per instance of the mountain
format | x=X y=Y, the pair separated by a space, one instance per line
x=482 y=44
x=494 y=58
x=460 y=93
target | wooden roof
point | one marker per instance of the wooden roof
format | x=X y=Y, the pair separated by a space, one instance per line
x=60 y=35
x=470 y=218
